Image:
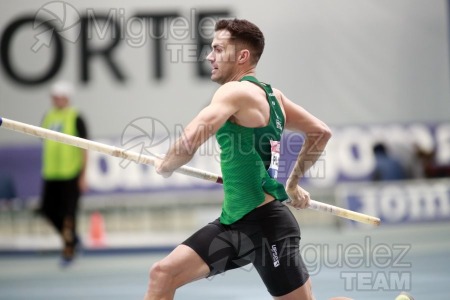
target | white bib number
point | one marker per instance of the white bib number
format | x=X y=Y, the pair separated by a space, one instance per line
x=275 y=158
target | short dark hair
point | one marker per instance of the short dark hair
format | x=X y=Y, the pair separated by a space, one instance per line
x=246 y=33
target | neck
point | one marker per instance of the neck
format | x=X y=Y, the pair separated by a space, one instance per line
x=241 y=73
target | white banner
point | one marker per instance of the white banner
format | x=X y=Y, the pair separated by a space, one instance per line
x=347 y=61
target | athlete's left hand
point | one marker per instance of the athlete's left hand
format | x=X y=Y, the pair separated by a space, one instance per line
x=160 y=168
x=299 y=198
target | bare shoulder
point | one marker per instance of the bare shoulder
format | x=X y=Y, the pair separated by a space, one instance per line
x=233 y=91
x=279 y=94
x=281 y=99
x=299 y=119
x=284 y=101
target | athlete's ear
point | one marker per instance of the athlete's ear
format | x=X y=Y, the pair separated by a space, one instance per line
x=244 y=56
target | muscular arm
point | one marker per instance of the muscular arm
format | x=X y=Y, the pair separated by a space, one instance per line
x=223 y=105
x=316 y=134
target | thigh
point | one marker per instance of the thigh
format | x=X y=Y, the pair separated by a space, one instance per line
x=281 y=266
x=221 y=247
x=184 y=265
x=277 y=257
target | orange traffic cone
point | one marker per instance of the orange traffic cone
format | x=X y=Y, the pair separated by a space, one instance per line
x=97 y=230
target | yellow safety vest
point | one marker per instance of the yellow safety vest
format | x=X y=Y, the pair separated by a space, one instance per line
x=61 y=161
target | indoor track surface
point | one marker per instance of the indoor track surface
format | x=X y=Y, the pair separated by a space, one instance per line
x=410 y=257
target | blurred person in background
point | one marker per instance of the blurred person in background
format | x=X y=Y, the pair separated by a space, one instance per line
x=430 y=168
x=255 y=227
x=63 y=170
x=386 y=166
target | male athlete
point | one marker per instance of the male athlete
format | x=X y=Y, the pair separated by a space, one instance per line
x=247 y=117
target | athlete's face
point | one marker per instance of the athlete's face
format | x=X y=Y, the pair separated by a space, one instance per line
x=222 y=57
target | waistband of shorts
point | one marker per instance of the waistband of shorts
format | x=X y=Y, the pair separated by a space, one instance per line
x=264 y=208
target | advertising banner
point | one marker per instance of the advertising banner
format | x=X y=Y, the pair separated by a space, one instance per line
x=349 y=157
x=399 y=202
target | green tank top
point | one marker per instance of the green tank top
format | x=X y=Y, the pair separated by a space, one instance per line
x=249 y=161
x=61 y=161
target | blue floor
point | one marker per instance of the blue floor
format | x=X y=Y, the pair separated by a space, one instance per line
x=415 y=258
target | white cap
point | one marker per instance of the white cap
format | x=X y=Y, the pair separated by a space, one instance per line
x=62 y=89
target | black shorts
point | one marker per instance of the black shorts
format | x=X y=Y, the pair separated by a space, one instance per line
x=268 y=237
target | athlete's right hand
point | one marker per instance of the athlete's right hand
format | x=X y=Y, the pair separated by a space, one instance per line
x=299 y=198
